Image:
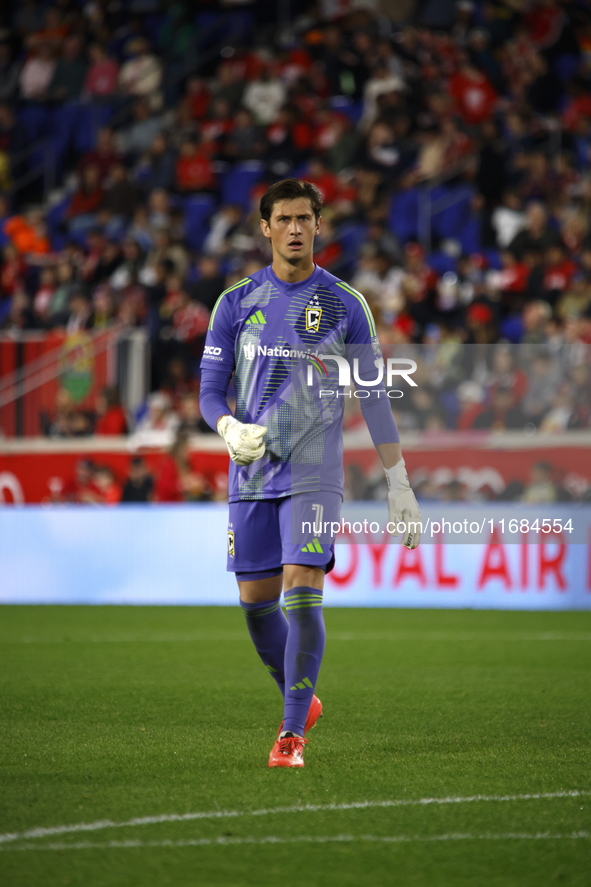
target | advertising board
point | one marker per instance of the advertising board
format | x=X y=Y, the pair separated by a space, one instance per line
x=177 y=555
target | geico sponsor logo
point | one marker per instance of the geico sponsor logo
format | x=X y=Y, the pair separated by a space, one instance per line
x=211 y=352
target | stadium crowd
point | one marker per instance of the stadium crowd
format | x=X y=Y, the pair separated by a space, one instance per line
x=453 y=157
x=174 y=478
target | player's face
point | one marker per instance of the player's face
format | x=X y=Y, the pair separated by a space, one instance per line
x=291 y=230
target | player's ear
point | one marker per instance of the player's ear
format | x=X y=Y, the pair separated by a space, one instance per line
x=318 y=224
x=265 y=228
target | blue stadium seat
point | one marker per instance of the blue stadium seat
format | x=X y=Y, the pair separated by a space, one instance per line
x=237 y=183
x=35 y=119
x=469 y=236
x=64 y=119
x=5 y=305
x=192 y=276
x=493 y=257
x=198 y=211
x=55 y=217
x=441 y=262
x=404 y=214
x=90 y=117
x=152 y=24
x=226 y=265
x=581 y=151
x=451 y=220
x=351 y=237
x=566 y=66
x=345 y=105
x=511 y=328
x=233 y=26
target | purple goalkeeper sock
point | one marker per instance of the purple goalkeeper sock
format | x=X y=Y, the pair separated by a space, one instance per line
x=303 y=654
x=268 y=628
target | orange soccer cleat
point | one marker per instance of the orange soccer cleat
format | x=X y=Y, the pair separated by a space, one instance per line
x=288 y=751
x=314 y=712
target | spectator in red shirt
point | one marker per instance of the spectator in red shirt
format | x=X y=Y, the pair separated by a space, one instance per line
x=102 y=74
x=578 y=106
x=197 y=98
x=111 y=418
x=545 y=22
x=109 y=491
x=189 y=319
x=558 y=272
x=194 y=169
x=326 y=181
x=13 y=270
x=328 y=251
x=218 y=125
x=513 y=276
x=474 y=96
x=330 y=128
x=177 y=482
x=86 y=200
x=81 y=487
x=103 y=155
x=416 y=269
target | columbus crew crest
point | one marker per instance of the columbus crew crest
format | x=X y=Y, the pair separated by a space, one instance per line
x=313 y=315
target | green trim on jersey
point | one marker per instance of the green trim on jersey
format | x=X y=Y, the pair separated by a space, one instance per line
x=364 y=305
x=236 y=286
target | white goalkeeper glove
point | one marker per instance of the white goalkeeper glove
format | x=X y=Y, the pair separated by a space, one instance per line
x=244 y=441
x=402 y=505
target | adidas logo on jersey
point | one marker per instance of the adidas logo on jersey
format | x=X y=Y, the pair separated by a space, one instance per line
x=314 y=547
x=257 y=317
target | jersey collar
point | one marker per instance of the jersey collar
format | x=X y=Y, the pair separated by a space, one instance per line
x=290 y=288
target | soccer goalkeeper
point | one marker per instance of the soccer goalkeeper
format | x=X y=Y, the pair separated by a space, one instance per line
x=275 y=333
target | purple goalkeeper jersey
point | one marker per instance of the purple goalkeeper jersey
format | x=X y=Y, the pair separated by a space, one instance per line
x=275 y=338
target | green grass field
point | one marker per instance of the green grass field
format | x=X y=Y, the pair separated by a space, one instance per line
x=110 y=716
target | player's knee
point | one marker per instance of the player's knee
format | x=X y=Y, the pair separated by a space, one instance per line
x=257 y=591
x=295 y=575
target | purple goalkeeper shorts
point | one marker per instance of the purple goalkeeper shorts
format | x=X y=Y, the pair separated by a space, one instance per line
x=264 y=534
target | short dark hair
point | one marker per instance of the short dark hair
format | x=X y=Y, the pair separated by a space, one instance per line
x=290 y=189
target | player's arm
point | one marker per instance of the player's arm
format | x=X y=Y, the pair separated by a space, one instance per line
x=244 y=441
x=402 y=504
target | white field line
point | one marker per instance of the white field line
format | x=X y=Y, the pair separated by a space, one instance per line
x=303 y=839
x=233 y=636
x=303 y=808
